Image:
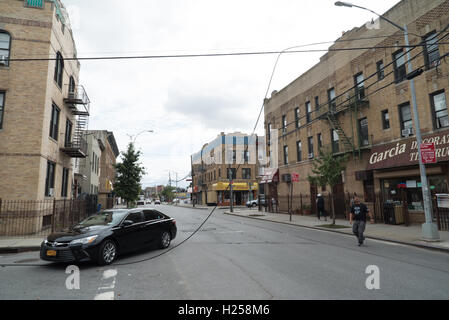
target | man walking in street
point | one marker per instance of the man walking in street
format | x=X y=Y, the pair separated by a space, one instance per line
x=358 y=214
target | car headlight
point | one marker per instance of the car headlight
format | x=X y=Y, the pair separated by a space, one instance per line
x=87 y=240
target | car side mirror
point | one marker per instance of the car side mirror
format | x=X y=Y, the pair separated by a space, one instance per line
x=127 y=223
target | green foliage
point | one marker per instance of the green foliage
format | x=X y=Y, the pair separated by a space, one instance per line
x=327 y=169
x=168 y=193
x=128 y=175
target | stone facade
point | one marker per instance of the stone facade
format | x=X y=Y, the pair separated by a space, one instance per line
x=338 y=70
x=30 y=91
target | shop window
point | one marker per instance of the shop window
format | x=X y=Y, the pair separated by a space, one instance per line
x=368 y=190
x=439 y=107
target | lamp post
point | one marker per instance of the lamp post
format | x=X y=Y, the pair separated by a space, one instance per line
x=429 y=228
x=135 y=137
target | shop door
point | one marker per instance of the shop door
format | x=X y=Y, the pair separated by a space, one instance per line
x=339 y=199
x=313 y=193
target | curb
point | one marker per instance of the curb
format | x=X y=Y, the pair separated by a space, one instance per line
x=422 y=246
x=6 y=250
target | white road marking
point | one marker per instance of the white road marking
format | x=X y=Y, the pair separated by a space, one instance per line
x=109 y=273
x=105 y=296
x=385 y=242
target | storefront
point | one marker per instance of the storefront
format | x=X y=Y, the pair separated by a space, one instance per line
x=242 y=193
x=396 y=172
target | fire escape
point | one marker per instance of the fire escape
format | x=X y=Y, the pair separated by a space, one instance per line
x=75 y=145
x=334 y=112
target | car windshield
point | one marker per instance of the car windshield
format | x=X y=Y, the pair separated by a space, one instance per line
x=104 y=218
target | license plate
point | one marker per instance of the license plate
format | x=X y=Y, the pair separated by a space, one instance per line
x=51 y=253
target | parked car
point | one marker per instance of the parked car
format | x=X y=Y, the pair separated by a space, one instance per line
x=140 y=203
x=252 y=203
x=103 y=236
x=157 y=201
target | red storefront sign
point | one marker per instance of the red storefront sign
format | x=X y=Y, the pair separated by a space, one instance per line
x=428 y=153
x=295 y=177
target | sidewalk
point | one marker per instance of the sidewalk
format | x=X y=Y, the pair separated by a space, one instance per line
x=410 y=235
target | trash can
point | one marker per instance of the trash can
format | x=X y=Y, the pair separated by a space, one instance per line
x=398 y=214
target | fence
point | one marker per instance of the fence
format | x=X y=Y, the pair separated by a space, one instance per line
x=389 y=211
x=30 y=218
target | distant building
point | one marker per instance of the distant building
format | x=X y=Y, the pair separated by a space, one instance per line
x=222 y=161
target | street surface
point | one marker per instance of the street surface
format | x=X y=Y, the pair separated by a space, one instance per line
x=239 y=258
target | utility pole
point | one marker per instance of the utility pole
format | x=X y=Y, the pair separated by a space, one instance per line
x=231 y=198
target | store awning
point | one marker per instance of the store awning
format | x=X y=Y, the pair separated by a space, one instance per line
x=270 y=176
x=236 y=186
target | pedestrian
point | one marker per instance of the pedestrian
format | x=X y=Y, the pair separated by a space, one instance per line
x=358 y=215
x=320 y=207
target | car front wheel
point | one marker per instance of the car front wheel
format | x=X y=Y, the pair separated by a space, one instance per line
x=165 y=240
x=107 y=253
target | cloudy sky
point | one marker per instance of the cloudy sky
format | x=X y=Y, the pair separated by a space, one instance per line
x=189 y=101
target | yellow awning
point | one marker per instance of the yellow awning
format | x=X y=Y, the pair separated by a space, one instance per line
x=236 y=186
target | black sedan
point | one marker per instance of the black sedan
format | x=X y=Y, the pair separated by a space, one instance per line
x=101 y=237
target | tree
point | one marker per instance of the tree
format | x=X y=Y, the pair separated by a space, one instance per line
x=128 y=175
x=168 y=193
x=327 y=169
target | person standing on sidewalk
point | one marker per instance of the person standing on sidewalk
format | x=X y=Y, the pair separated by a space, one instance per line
x=320 y=207
x=358 y=214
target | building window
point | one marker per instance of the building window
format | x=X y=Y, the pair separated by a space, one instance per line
x=359 y=86
x=269 y=132
x=2 y=107
x=335 y=139
x=72 y=88
x=232 y=173
x=54 y=122
x=380 y=70
x=246 y=173
x=34 y=3
x=331 y=98
x=310 y=144
x=297 y=123
x=284 y=124
x=299 y=151
x=50 y=179
x=65 y=182
x=363 y=129
x=68 y=133
x=405 y=116
x=285 y=154
x=440 y=110
x=320 y=140
x=317 y=103
x=432 y=53
x=5 y=48
x=308 y=111
x=219 y=173
x=385 y=119
x=59 y=69
x=399 y=66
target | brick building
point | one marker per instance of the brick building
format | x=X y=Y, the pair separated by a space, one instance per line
x=43 y=109
x=358 y=102
x=212 y=164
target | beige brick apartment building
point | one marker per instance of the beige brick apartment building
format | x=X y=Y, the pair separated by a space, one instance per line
x=358 y=102
x=43 y=109
x=211 y=165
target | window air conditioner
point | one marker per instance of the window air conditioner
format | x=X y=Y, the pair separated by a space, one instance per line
x=50 y=192
x=310 y=155
x=407 y=132
x=286 y=177
x=3 y=61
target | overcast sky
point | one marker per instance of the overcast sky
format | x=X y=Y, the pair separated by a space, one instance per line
x=189 y=101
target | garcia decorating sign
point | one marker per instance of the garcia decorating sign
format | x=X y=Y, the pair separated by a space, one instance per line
x=405 y=152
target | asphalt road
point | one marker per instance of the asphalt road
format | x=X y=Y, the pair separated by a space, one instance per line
x=240 y=258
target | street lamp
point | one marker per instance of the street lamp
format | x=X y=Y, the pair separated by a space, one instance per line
x=135 y=137
x=429 y=229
